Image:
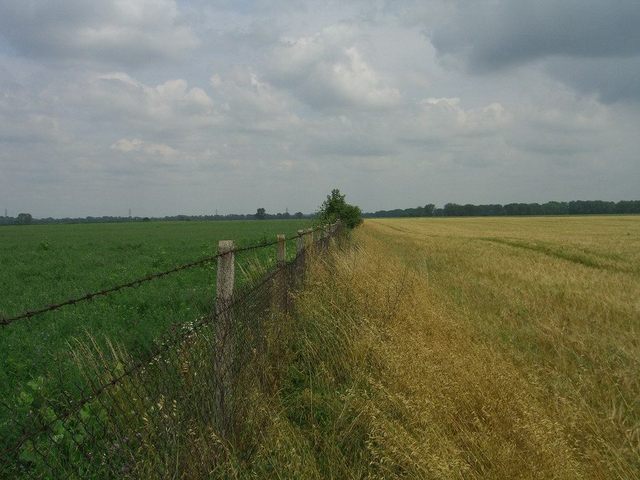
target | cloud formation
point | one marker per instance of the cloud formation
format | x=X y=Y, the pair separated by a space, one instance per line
x=594 y=45
x=327 y=70
x=116 y=32
x=190 y=106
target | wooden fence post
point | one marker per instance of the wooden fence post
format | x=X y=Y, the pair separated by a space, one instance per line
x=225 y=342
x=300 y=243
x=309 y=238
x=280 y=282
x=225 y=277
x=281 y=252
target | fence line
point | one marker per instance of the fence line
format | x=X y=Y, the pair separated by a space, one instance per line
x=97 y=390
x=206 y=366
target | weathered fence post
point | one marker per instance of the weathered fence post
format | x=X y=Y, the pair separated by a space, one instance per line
x=224 y=345
x=281 y=252
x=300 y=256
x=300 y=243
x=281 y=274
x=225 y=278
x=326 y=236
x=308 y=238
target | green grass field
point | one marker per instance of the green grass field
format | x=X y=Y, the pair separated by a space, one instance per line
x=46 y=264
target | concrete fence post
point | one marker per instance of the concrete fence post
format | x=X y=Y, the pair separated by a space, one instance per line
x=224 y=337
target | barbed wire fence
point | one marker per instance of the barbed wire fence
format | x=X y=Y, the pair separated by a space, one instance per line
x=173 y=411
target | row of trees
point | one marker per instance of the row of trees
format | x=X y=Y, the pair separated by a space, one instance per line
x=578 y=207
x=261 y=214
x=27 y=219
x=21 y=219
x=334 y=208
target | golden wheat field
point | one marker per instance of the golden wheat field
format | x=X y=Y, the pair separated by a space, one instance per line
x=476 y=348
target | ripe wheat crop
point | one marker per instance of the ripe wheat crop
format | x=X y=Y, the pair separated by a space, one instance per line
x=473 y=348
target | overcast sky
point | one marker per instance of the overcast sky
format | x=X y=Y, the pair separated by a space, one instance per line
x=190 y=106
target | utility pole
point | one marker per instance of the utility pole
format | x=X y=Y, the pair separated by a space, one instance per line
x=129 y=213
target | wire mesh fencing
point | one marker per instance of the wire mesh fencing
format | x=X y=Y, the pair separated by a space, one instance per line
x=172 y=411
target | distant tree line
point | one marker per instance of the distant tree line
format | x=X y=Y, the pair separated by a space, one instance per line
x=577 y=207
x=27 y=219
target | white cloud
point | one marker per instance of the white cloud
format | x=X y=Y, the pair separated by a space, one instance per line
x=358 y=83
x=171 y=106
x=128 y=145
x=327 y=70
x=250 y=102
x=446 y=121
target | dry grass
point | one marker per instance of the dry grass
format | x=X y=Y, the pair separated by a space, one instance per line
x=472 y=348
x=509 y=347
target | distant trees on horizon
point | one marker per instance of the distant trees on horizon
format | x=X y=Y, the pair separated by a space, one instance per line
x=576 y=207
x=22 y=220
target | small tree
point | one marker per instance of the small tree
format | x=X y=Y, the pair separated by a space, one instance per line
x=336 y=208
x=24 y=219
x=261 y=214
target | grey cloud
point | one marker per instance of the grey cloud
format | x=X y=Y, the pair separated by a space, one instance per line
x=593 y=45
x=117 y=33
x=612 y=79
x=504 y=33
x=351 y=146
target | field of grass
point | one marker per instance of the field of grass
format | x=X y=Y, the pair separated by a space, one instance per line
x=468 y=348
x=45 y=264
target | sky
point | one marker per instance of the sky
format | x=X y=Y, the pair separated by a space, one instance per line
x=193 y=106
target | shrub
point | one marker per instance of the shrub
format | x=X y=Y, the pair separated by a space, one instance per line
x=336 y=208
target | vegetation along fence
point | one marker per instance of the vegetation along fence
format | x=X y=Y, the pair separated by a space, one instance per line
x=173 y=411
